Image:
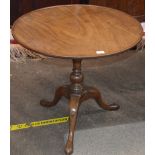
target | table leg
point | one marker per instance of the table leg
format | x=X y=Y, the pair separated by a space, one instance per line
x=73 y=106
x=92 y=92
x=76 y=92
x=61 y=91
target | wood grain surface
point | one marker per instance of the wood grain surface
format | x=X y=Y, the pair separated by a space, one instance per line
x=77 y=31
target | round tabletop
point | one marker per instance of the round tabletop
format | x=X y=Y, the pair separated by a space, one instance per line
x=77 y=31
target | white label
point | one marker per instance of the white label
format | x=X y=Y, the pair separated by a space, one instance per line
x=100 y=52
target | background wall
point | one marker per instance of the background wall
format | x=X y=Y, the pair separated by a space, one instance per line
x=135 y=8
x=20 y=7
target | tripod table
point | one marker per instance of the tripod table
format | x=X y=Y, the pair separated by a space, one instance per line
x=77 y=32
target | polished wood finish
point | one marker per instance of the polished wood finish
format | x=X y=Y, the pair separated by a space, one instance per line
x=77 y=31
x=77 y=92
x=136 y=8
x=74 y=107
x=62 y=91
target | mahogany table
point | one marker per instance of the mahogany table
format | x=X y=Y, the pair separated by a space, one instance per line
x=77 y=32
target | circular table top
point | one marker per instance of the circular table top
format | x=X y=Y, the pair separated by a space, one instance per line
x=77 y=31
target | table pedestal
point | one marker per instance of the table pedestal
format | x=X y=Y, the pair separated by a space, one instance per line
x=76 y=92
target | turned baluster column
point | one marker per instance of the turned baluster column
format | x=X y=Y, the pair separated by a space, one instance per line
x=76 y=78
